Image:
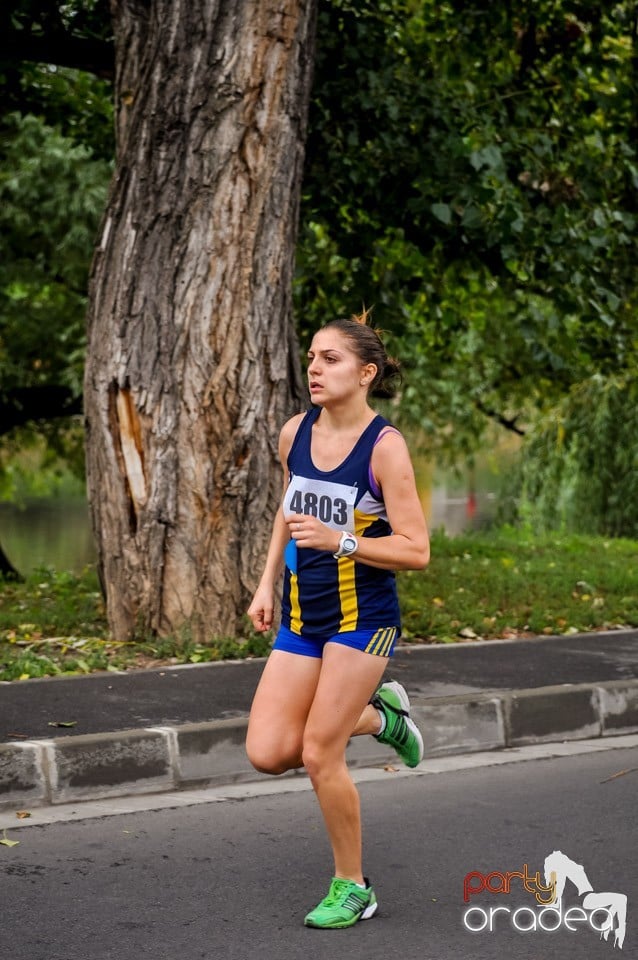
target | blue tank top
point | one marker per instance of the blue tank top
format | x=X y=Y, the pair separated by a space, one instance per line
x=326 y=596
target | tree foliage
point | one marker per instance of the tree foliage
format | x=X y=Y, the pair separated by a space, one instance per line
x=52 y=193
x=578 y=472
x=72 y=33
x=472 y=171
x=56 y=150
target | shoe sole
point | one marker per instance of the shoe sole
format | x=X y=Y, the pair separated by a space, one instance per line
x=404 y=700
x=366 y=915
x=419 y=739
x=369 y=911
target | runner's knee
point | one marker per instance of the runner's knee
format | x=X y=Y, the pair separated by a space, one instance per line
x=319 y=757
x=273 y=758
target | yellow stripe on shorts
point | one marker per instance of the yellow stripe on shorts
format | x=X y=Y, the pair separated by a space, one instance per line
x=388 y=644
x=381 y=642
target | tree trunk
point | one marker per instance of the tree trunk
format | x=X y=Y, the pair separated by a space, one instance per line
x=192 y=362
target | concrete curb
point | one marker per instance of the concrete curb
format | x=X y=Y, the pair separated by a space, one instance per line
x=98 y=766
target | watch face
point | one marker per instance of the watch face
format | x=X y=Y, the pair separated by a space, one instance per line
x=349 y=544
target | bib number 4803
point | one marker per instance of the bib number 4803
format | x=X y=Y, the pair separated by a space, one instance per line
x=327 y=509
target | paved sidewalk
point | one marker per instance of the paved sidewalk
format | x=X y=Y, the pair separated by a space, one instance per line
x=177 y=727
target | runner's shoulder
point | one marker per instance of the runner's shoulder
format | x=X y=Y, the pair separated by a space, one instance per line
x=288 y=434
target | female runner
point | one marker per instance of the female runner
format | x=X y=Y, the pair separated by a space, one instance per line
x=350 y=517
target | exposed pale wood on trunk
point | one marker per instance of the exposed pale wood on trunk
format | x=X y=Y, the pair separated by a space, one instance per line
x=129 y=432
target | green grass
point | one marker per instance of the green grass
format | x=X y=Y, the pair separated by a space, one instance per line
x=55 y=623
x=497 y=584
x=506 y=583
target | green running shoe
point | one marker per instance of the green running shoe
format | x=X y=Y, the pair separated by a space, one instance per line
x=400 y=732
x=346 y=903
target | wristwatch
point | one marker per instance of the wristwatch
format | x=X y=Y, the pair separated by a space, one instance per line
x=348 y=543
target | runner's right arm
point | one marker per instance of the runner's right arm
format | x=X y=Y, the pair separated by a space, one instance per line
x=261 y=610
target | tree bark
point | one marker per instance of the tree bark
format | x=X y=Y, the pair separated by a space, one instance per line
x=192 y=361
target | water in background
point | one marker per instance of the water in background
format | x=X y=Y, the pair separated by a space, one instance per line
x=465 y=498
x=47 y=533
x=57 y=532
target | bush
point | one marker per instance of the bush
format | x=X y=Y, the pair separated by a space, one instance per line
x=579 y=467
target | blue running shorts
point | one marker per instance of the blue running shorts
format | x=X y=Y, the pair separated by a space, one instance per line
x=379 y=642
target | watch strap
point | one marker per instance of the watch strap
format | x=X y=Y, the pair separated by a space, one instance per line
x=341 y=552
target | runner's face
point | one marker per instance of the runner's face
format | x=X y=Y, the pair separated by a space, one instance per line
x=335 y=372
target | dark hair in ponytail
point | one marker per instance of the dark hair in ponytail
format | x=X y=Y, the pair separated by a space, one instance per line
x=369 y=347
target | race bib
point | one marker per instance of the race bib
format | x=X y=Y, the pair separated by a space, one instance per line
x=332 y=503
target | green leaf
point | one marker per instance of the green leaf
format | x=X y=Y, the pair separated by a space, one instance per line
x=442 y=212
x=471 y=217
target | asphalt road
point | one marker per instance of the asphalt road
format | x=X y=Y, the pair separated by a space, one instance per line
x=232 y=880
x=105 y=702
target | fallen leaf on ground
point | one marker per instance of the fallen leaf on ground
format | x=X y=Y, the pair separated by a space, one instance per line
x=22 y=814
x=62 y=723
x=390 y=769
x=8 y=843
